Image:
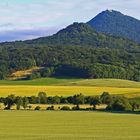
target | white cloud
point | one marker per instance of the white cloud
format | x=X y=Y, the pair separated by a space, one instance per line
x=12 y=35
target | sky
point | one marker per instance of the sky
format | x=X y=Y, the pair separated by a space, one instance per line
x=28 y=19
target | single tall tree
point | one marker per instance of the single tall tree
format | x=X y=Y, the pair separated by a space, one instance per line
x=9 y=101
x=78 y=99
x=25 y=102
x=19 y=102
x=94 y=101
x=42 y=98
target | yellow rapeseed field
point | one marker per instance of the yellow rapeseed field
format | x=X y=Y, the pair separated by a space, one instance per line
x=27 y=90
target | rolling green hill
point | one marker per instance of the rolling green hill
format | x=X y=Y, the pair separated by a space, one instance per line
x=39 y=82
x=106 y=83
x=74 y=82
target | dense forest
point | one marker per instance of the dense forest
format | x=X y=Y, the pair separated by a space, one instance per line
x=77 y=51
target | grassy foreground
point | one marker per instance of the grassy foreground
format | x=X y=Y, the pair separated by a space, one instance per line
x=42 y=125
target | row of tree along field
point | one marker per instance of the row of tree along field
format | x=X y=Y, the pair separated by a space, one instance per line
x=111 y=102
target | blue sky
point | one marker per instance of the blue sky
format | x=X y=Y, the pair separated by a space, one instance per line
x=27 y=19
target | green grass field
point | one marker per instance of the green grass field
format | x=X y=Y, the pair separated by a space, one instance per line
x=74 y=82
x=40 y=82
x=43 y=125
x=69 y=86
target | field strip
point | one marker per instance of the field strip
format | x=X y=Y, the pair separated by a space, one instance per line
x=68 y=125
x=64 y=90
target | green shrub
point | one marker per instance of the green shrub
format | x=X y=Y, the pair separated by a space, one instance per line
x=50 y=108
x=76 y=107
x=34 y=75
x=65 y=108
x=37 y=108
x=119 y=104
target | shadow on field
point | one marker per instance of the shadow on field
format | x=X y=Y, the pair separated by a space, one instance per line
x=56 y=77
x=120 y=112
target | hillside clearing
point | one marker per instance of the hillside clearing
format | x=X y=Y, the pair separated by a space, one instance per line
x=23 y=73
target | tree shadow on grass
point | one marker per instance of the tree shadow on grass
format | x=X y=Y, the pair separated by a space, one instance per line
x=120 y=112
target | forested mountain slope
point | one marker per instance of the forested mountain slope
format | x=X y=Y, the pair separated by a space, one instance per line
x=118 y=24
x=81 y=34
x=77 y=51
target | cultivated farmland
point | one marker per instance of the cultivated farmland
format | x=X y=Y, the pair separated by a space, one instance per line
x=56 y=125
x=65 y=90
x=67 y=87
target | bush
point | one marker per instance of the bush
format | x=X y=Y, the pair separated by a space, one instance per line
x=119 y=104
x=76 y=108
x=34 y=75
x=50 y=108
x=30 y=107
x=6 y=108
x=89 y=108
x=106 y=98
x=65 y=108
x=135 y=104
x=37 y=108
x=47 y=72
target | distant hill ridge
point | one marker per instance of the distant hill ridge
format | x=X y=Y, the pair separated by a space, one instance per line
x=82 y=34
x=118 y=24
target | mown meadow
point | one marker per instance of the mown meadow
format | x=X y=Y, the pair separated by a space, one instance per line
x=62 y=125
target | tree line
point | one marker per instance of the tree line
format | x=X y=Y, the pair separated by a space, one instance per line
x=112 y=102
